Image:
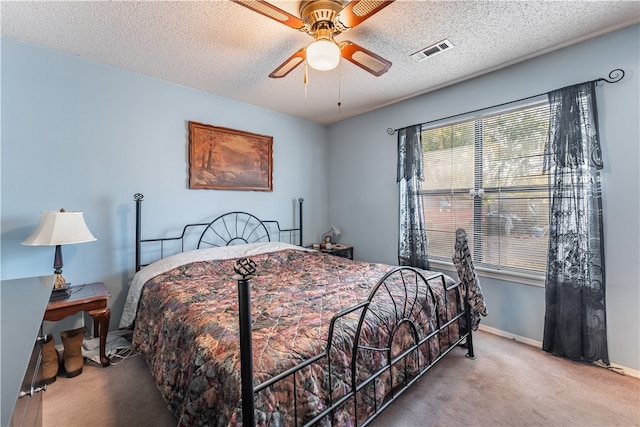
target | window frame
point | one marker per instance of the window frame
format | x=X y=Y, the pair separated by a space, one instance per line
x=509 y=275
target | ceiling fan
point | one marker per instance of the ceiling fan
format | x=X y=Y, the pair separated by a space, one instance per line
x=323 y=20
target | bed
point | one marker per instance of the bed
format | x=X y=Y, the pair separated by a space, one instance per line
x=307 y=339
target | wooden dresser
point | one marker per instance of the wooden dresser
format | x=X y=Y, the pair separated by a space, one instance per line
x=23 y=304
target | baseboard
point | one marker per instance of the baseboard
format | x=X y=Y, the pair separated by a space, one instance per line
x=509 y=335
x=623 y=370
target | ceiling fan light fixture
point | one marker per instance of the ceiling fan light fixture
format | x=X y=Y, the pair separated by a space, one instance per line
x=323 y=55
x=323 y=20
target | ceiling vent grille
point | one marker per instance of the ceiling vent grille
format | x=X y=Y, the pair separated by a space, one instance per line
x=432 y=50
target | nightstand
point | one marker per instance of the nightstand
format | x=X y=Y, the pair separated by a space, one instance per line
x=92 y=298
x=343 y=251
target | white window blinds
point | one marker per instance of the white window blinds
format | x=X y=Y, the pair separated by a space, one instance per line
x=485 y=175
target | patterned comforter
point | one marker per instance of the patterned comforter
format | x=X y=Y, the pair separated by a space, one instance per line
x=187 y=329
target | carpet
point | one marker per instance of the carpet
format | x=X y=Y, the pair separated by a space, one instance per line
x=508 y=384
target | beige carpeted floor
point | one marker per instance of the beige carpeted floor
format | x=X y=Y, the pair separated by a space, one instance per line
x=508 y=384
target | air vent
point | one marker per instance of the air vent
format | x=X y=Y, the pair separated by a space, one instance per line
x=432 y=50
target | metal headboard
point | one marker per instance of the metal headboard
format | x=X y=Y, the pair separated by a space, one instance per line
x=227 y=229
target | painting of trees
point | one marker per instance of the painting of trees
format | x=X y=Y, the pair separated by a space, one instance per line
x=229 y=159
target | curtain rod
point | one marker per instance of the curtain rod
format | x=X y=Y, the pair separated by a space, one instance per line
x=615 y=76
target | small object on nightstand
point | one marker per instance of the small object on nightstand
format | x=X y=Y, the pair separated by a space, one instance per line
x=335 y=231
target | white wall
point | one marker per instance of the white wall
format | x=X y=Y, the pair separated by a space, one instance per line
x=363 y=193
x=84 y=136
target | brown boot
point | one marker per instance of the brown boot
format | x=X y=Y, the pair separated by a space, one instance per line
x=50 y=366
x=73 y=361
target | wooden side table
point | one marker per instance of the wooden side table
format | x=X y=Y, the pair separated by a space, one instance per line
x=343 y=251
x=92 y=298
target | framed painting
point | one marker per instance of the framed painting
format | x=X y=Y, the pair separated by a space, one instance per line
x=229 y=159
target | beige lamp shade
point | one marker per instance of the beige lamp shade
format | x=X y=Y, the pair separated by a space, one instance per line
x=60 y=228
x=57 y=229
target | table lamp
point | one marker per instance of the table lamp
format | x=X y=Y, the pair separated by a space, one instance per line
x=57 y=229
x=335 y=231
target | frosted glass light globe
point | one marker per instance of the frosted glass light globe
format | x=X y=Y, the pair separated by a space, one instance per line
x=323 y=55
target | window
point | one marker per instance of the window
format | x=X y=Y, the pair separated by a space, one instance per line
x=485 y=175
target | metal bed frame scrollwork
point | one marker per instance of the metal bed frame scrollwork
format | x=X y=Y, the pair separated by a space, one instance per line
x=227 y=229
x=410 y=362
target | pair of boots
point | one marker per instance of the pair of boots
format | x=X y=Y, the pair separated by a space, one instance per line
x=72 y=356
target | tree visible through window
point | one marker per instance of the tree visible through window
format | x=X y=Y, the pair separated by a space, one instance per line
x=485 y=175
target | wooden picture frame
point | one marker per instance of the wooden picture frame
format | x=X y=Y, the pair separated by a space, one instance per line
x=229 y=159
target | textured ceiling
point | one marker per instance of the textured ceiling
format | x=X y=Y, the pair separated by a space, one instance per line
x=223 y=48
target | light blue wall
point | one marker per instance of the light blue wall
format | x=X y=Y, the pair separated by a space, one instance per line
x=362 y=181
x=84 y=136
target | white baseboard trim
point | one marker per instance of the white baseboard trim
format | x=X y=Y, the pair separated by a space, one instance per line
x=623 y=370
x=509 y=335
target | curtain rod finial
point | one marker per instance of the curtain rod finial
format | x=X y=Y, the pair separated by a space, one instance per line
x=390 y=131
x=615 y=76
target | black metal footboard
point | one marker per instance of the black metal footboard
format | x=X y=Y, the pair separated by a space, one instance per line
x=375 y=351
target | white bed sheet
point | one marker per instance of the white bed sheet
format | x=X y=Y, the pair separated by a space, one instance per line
x=171 y=262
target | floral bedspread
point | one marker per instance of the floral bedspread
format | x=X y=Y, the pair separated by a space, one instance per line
x=187 y=329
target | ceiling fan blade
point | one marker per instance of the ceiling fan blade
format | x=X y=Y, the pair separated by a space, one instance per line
x=363 y=58
x=287 y=66
x=270 y=11
x=359 y=10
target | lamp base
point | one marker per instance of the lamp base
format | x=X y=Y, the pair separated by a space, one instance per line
x=58 y=294
x=60 y=282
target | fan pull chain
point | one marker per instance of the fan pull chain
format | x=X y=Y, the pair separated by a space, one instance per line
x=306 y=80
x=340 y=87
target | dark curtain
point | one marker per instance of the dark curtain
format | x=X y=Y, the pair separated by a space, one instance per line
x=575 y=316
x=412 y=245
